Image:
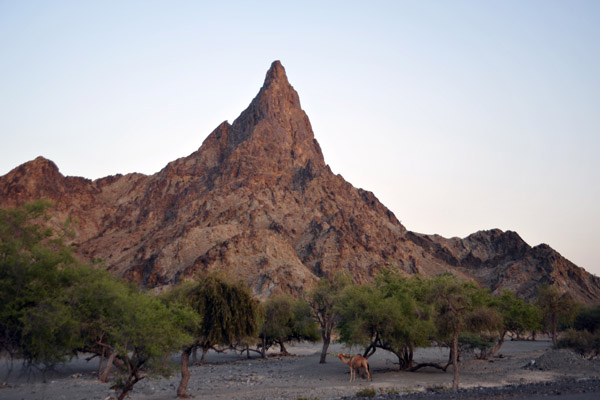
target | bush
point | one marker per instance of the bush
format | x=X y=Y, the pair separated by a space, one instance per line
x=478 y=344
x=366 y=392
x=588 y=318
x=285 y=320
x=584 y=343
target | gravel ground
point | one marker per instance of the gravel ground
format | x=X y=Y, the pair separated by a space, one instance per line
x=564 y=388
x=525 y=369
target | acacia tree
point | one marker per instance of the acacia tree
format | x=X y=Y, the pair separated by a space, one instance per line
x=35 y=269
x=229 y=313
x=584 y=339
x=323 y=300
x=555 y=305
x=392 y=315
x=148 y=330
x=461 y=307
x=286 y=319
x=518 y=316
x=588 y=318
x=97 y=304
x=416 y=325
x=51 y=307
x=181 y=296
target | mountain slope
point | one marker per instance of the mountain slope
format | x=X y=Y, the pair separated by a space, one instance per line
x=258 y=201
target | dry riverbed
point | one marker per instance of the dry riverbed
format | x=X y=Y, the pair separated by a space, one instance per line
x=232 y=376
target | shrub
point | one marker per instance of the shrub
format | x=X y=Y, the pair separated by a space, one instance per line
x=366 y=392
x=584 y=343
x=588 y=318
x=477 y=344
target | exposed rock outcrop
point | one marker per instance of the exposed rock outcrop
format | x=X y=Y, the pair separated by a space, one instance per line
x=258 y=201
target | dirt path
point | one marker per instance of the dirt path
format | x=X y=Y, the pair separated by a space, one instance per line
x=231 y=376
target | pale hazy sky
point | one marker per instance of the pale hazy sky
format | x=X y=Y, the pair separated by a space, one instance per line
x=458 y=115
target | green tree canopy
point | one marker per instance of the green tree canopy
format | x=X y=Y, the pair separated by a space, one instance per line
x=51 y=306
x=393 y=315
x=588 y=318
x=462 y=307
x=287 y=319
x=517 y=317
x=324 y=300
x=35 y=268
x=227 y=310
x=556 y=306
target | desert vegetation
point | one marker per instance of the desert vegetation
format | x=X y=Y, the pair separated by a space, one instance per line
x=53 y=307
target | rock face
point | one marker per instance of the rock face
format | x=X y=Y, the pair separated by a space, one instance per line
x=258 y=201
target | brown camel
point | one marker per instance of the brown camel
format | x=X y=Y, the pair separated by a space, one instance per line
x=356 y=363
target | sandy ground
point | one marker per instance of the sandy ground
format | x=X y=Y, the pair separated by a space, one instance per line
x=232 y=376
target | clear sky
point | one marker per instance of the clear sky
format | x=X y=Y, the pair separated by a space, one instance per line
x=458 y=115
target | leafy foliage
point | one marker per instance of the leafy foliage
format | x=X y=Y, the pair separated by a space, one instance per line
x=287 y=319
x=518 y=316
x=556 y=307
x=35 y=269
x=51 y=307
x=227 y=310
x=478 y=344
x=146 y=331
x=461 y=308
x=583 y=342
x=585 y=338
x=392 y=315
x=588 y=318
x=324 y=301
x=366 y=392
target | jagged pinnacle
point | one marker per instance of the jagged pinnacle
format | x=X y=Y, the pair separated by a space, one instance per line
x=276 y=74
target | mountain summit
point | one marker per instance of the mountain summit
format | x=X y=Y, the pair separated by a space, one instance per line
x=274 y=130
x=258 y=202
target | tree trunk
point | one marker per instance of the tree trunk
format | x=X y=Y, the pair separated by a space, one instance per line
x=185 y=373
x=133 y=376
x=109 y=363
x=248 y=351
x=195 y=355
x=131 y=381
x=554 y=328
x=283 y=349
x=326 y=341
x=369 y=351
x=455 y=382
x=264 y=346
x=408 y=352
x=499 y=345
x=450 y=358
x=204 y=351
x=101 y=361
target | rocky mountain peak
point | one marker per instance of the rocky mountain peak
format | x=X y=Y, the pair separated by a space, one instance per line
x=272 y=137
x=276 y=75
x=31 y=176
x=39 y=166
x=277 y=98
x=257 y=202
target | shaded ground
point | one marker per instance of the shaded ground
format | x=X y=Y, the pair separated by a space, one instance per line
x=231 y=376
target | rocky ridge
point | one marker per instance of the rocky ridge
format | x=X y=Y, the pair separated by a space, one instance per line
x=258 y=201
